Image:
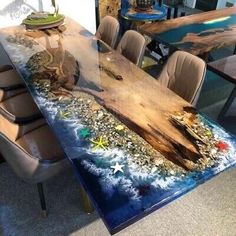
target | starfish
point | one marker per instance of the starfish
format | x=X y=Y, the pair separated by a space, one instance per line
x=100 y=143
x=84 y=133
x=64 y=114
x=117 y=167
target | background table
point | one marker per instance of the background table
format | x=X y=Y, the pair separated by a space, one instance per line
x=197 y=34
x=226 y=68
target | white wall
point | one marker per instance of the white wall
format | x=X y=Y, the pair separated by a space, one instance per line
x=12 y=12
x=190 y=3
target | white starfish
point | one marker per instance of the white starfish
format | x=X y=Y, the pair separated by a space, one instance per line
x=117 y=167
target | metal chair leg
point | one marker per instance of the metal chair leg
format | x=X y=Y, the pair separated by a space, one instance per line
x=42 y=200
x=1 y=159
x=87 y=205
x=227 y=104
x=234 y=50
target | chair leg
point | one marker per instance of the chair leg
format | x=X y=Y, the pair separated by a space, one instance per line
x=227 y=104
x=1 y=159
x=234 y=50
x=42 y=200
x=87 y=205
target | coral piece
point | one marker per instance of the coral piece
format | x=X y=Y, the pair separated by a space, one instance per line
x=222 y=146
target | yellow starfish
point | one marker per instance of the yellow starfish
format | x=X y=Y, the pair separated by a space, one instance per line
x=64 y=114
x=100 y=143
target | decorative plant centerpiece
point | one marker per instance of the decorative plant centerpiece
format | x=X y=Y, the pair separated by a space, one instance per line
x=44 y=20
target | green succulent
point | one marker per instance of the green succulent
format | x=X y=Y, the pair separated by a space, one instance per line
x=56 y=7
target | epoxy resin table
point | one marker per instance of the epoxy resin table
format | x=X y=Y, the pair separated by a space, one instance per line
x=197 y=34
x=134 y=145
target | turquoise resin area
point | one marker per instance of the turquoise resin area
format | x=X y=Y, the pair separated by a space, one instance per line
x=175 y=36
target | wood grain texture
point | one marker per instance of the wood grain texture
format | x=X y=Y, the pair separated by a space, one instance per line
x=197 y=34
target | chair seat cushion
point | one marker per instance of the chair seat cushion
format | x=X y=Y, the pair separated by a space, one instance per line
x=41 y=143
x=11 y=93
x=5 y=67
x=20 y=109
x=10 y=80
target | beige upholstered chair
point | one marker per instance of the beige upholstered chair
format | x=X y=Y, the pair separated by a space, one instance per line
x=25 y=147
x=10 y=82
x=20 y=109
x=27 y=150
x=132 y=46
x=15 y=102
x=184 y=74
x=108 y=30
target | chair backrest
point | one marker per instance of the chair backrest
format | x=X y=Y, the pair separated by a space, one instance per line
x=23 y=155
x=132 y=46
x=184 y=74
x=24 y=165
x=108 y=30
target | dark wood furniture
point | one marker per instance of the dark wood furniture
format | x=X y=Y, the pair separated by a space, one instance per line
x=206 y=5
x=226 y=69
x=198 y=34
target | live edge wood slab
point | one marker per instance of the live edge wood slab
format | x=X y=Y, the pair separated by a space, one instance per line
x=198 y=33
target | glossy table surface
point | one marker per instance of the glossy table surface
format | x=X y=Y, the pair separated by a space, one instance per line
x=198 y=33
x=226 y=67
x=131 y=13
x=134 y=145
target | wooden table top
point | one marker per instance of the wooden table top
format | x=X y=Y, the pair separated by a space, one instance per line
x=225 y=67
x=99 y=105
x=198 y=33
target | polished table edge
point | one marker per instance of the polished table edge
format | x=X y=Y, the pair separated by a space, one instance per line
x=186 y=20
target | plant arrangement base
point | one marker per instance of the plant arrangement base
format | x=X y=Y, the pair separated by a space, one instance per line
x=137 y=9
x=44 y=23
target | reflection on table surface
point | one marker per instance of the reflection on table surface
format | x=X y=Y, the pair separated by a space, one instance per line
x=198 y=33
x=133 y=144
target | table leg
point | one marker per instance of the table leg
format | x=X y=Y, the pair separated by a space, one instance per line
x=87 y=205
x=234 y=50
x=207 y=57
x=227 y=104
x=1 y=159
